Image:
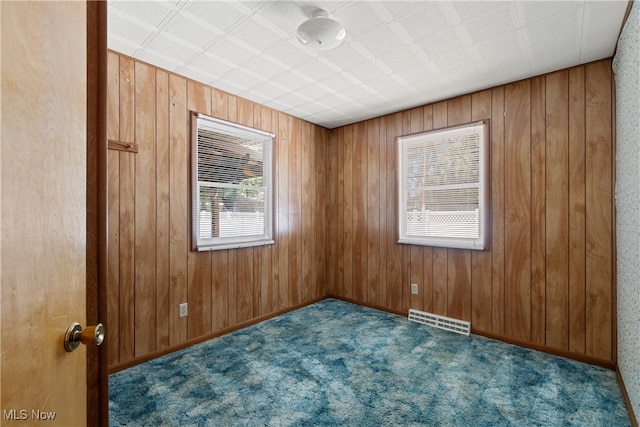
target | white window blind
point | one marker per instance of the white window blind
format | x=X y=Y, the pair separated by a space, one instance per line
x=232 y=185
x=443 y=197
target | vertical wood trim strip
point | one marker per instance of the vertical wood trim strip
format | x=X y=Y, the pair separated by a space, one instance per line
x=219 y=259
x=145 y=209
x=538 y=211
x=127 y=213
x=440 y=255
x=295 y=223
x=359 y=218
x=373 y=201
x=497 y=211
x=347 y=211
x=517 y=211
x=557 y=215
x=459 y=260
x=199 y=263
x=393 y=249
x=178 y=217
x=599 y=220
x=282 y=243
x=113 y=210
x=163 y=305
x=577 y=247
x=481 y=260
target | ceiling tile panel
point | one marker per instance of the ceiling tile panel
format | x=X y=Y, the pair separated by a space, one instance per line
x=230 y=51
x=381 y=41
x=360 y=16
x=336 y=82
x=256 y=35
x=397 y=54
x=152 y=15
x=160 y=59
x=558 y=27
x=286 y=15
x=220 y=14
x=290 y=80
x=171 y=47
x=345 y=55
x=258 y=64
x=124 y=46
x=535 y=11
x=399 y=59
x=469 y=11
x=244 y=78
x=546 y=55
x=315 y=69
x=190 y=29
x=440 y=44
x=491 y=26
x=425 y=21
x=288 y=53
x=313 y=91
x=400 y=10
x=134 y=34
x=366 y=72
x=269 y=90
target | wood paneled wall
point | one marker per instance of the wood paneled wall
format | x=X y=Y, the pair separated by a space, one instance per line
x=548 y=278
x=151 y=267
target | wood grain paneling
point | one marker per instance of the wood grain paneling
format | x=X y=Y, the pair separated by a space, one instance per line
x=219 y=259
x=113 y=208
x=517 y=213
x=152 y=269
x=393 y=251
x=440 y=272
x=459 y=261
x=538 y=211
x=199 y=263
x=497 y=211
x=577 y=248
x=145 y=209
x=481 y=260
x=599 y=208
x=557 y=215
x=127 y=213
x=163 y=278
x=546 y=278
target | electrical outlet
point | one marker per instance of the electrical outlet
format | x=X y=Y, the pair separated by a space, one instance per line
x=183 y=309
x=414 y=289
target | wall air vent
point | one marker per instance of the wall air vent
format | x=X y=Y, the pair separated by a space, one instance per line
x=440 y=322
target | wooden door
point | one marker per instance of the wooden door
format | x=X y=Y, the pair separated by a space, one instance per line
x=43 y=211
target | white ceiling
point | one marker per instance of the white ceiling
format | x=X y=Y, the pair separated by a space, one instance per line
x=397 y=54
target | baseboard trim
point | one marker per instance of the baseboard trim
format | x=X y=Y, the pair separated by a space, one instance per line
x=627 y=401
x=364 y=304
x=154 y=355
x=545 y=349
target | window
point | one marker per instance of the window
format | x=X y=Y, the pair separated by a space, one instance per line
x=232 y=185
x=443 y=196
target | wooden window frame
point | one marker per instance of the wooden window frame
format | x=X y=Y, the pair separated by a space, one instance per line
x=442 y=238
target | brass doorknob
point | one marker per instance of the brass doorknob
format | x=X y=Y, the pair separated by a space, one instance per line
x=75 y=335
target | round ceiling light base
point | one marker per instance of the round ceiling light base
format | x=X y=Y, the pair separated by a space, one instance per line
x=321 y=32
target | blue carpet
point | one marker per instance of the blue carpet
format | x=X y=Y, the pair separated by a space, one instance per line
x=338 y=364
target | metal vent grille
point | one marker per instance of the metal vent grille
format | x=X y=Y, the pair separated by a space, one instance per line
x=440 y=322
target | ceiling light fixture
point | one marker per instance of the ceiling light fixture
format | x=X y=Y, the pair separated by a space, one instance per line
x=321 y=32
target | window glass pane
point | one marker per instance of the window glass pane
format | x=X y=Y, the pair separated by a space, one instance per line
x=442 y=180
x=233 y=195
